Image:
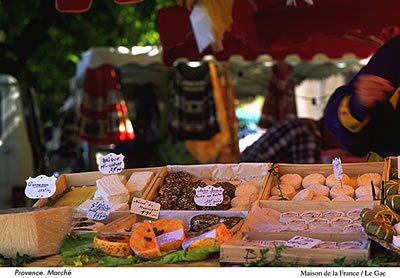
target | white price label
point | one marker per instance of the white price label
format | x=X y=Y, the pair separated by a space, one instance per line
x=337 y=168
x=145 y=208
x=40 y=187
x=99 y=210
x=209 y=196
x=398 y=167
x=170 y=237
x=111 y=163
x=302 y=242
x=210 y=234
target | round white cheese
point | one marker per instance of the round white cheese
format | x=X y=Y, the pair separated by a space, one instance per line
x=292 y=179
x=366 y=190
x=331 y=181
x=313 y=179
x=319 y=189
x=339 y=190
x=304 y=194
x=366 y=179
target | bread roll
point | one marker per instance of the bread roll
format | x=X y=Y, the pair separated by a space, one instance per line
x=288 y=215
x=245 y=189
x=297 y=224
x=316 y=223
x=339 y=190
x=313 y=179
x=332 y=214
x=292 y=179
x=308 y=215
x=286 y=190
x=331 y=181
x=304 y=194
x=319 y=189
x=366 y=190
x=320 y=198
x=340 y=222
x=240 y=201
x=366 y=179
x=343 y=198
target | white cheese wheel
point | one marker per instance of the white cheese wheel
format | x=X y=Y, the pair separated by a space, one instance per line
x=331 y=181
x=316 y=223
x=319 y=189
x=340 y=222
x=339 y=190
x=297 y=224
x=313 y=179
x=343 y=198
x=310 y=214
x=304 y=194
x=245 y=189
x=292 y=179
x=285 y=188
x=320 y=198
x=332 y=214
x=366 y=190
x=366 y=179
x=397 y=228
x=288 y=215
x=365 y=198
x=396 y=241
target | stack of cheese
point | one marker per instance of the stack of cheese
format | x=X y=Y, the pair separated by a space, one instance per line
x=117 y=190
x=317 y=187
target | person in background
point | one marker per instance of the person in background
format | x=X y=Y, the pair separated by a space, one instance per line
x=364 y=115
x=297 y=141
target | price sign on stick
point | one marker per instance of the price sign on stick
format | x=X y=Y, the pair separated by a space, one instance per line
x=40 y=187
x=111 y=163
x=337 y=168
x=145 y=208
x=209 y=196
x=99 y=210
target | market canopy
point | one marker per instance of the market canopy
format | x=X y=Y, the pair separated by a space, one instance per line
x=330 y=27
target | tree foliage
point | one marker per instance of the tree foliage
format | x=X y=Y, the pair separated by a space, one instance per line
x=40 y=46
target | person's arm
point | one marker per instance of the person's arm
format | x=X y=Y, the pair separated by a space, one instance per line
x=348 y=114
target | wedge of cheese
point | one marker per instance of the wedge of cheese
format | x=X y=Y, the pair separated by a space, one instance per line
x=112 y=189
x=32 y=231
x=138 y=183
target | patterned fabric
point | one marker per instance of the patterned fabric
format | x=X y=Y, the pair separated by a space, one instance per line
x=290 y=141
x=224 y=146
x=193 y=113
x=104 y=114
x=279 y=98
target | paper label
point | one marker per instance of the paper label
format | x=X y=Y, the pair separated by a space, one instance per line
x=209 y=196
x=398 y=167
x=40 y=187
x=145 y=208
x=99 y=210
x=111 y=163
x=337 y=168
x=169 y=237
x=210 y=234
x=302 y=242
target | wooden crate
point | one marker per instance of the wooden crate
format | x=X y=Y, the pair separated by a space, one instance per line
x=391 y=168
x=229 y=253
x=353 y=170
x=89 y=179
x=151 y=192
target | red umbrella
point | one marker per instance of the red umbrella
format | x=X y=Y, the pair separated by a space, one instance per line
x=331 y=27
x=79 y=6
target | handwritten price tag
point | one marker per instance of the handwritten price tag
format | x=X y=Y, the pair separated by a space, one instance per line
x=337 y=168
x=99 y=210
x=145 y=208
x=40 y=187
x=209 y=196
x=111 y=163
x=302 y=242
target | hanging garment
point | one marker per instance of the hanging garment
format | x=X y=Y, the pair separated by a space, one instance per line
x=104 y=114
x=193 y=114
x=222 y=147
x=279 y=98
